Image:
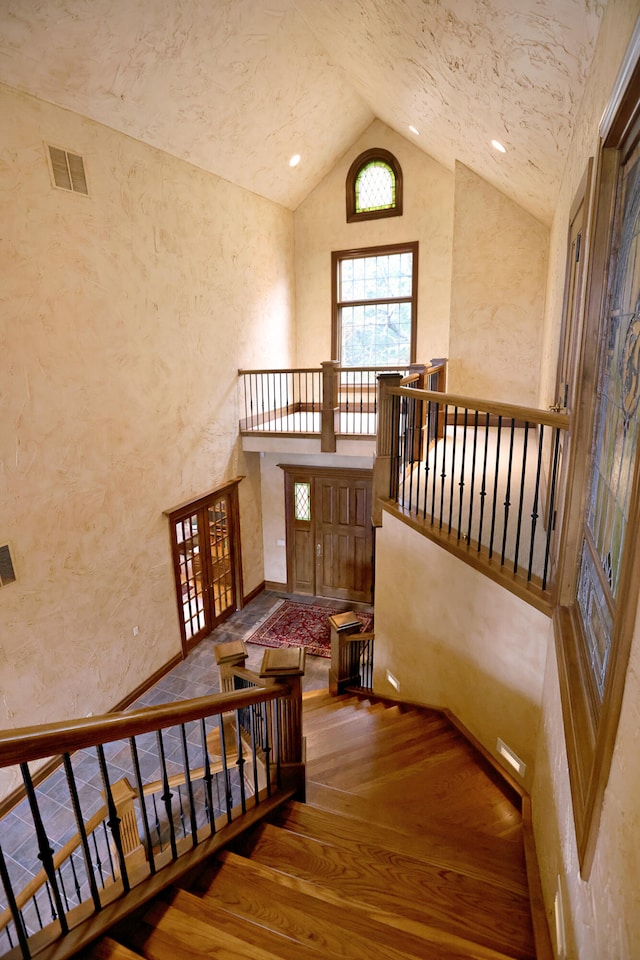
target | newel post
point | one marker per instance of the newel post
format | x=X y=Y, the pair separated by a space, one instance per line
x=345 y=655
x=330 y=379
x=387 y=430
x=286 y=665
x=229 y=655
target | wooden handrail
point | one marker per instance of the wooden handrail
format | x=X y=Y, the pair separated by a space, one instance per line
x=281 y=370
x=530 y=414
x=47 y=740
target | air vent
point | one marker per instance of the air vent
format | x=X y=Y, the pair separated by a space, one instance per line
x=68 y=171
x=7 y=573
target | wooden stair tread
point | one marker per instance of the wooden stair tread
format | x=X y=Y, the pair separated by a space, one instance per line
x=401 y=884
x=311 y=916
x=474 y=860
x=109 y=949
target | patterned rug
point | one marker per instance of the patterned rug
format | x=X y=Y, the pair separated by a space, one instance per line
x=306 y=625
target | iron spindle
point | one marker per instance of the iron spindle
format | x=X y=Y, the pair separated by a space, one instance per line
x=143 y=806
x=21 y=932
x=522 y=488
x=75 y=802
x=435 y=462
x=52 y=906
x=462 y=466
x=443 y=474
x=418 y=470
x=240 y=762
x=427 y=451
x=254 y=753
x=167 y=796
x=98 y=861
x=36 y=907
x=494 y=502
x=157 y=818
x=45 y=854
x=454 y=444
x=552 y=501
x=75 y=878
x=507 y=500
x=63 y=889
x=534 y=512
x=114 y=819
x=227 y=777
x=208 y=777
x=108 y=848
x=473 y=473
x=483 y=487
x=189 y=785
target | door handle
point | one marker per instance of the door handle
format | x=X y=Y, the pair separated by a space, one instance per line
x=318 y=549
x=555 y=408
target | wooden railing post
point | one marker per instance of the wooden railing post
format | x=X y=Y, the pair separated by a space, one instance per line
x=387 y=428
x=330 y=380
x=286 y=665
x=345 y=656
x=228 y=655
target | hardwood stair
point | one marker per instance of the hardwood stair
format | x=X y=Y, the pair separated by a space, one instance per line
x=409 y=846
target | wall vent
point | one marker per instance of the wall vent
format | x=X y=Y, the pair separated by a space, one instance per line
x=7 y=572
x=68 y=171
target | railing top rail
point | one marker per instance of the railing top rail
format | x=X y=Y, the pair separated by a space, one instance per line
x=533 y=415
x=282 y=370
x=49 y=740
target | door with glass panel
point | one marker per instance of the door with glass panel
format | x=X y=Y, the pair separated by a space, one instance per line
x=206 y=554
x=329 y=532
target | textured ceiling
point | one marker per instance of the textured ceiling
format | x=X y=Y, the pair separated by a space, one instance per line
x=238 y=86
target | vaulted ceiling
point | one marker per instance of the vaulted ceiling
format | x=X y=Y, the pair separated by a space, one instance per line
x=239 y=86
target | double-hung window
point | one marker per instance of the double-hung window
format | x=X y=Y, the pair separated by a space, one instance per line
x=374 y=292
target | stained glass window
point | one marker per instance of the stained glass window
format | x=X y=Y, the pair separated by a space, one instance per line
x=302 y=501
x=374 y=186
x=615 y=436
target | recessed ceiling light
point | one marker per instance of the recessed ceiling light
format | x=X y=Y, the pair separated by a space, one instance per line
x=498 y=146
x=295 y=160
x=413 y=130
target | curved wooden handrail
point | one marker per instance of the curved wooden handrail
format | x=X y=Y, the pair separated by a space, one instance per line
x=48 y=740
x=532 y=415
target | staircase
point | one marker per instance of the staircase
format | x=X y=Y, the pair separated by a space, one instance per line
x=408 y=846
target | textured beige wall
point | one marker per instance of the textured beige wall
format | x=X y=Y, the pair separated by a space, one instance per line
x=498 y=291
x=603 y=915
x=455 y=639
x=124 y=319
x=321 y=226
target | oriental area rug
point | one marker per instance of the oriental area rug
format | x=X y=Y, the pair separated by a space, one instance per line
x=294 y=624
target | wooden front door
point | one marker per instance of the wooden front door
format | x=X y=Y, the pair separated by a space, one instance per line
x=205 y=538
x=329 y=532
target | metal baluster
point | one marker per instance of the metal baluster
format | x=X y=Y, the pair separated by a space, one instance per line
x=21 y=932
x=62 y=887
x=394 y=472
x=426 y=459
x=403 y=455
x=348 y=385
x=189 y=786
x=473 y=473
x=461 y=483
x=410 y=435
x=182 y=817
x=453 y=465
x=167 y=796
x=266 y=745
x=552 y=501
x=240 y=762
x=443 y=474
x=114 y=819
x=275 y=706
x=143 y=806
x=98 y=860
x=52 y=907
x=227 y=778
x=483 y=488
x=507 y=496
x=521 y=500
x=37 y=909
x=494 y=502
x=534 y=512
x=76 y=883
x=45 y=854
x=75 y=802
x=208 y=777
x=435 y=462
x=158 y=830
x=254 y=753
x=108 y=848
x=419 y=411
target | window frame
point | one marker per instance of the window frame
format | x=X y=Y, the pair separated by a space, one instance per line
x=591 y=722
x=337 y=257
x=376 y=153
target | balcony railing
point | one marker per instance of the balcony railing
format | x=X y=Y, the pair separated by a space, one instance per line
x=480 y=477
x=330 y=402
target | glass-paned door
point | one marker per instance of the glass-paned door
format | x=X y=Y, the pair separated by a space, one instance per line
x=206 y=549
x=615 y=436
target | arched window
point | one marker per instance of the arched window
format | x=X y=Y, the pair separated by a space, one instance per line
x=374 y=186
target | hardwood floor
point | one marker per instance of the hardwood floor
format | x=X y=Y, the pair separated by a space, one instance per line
x=406 y=848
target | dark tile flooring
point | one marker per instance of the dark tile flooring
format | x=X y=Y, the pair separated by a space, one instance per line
x=195 y=676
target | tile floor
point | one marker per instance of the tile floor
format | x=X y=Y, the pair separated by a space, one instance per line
x=195 y=676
